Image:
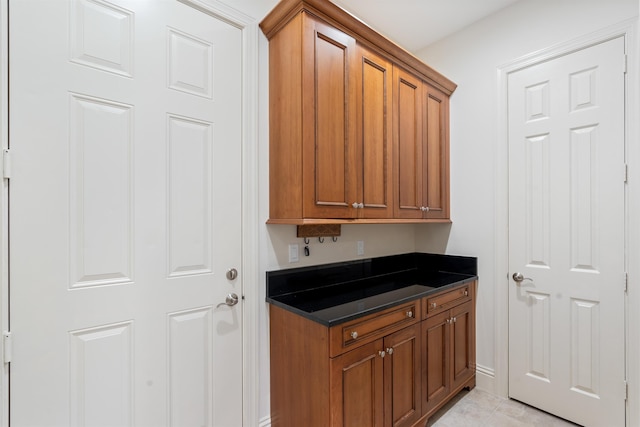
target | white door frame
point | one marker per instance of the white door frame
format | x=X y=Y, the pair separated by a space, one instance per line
x=250 y=33
x=627 y=29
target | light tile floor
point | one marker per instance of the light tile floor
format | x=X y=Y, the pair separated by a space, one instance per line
x=478 y=408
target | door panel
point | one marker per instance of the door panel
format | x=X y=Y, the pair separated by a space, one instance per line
x=374 y=134
x=436 y=154
x=408 y=144
x=358 y=374
x=402 y=370
x=566 y=235
x=329 y=163
x=436 y=340
x=125 y=212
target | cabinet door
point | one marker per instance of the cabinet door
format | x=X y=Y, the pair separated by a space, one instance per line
x=374 y=133
x=436 y=153
x=329 y=150
x=356 y=387
x=436 y=360
x=462 y=344
x=407 y=144
x=402 y=371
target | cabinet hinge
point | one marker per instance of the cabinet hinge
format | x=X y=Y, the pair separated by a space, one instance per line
x=7 y=346
x=6 y=163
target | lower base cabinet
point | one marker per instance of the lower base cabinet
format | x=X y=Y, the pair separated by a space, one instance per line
x=393 y=368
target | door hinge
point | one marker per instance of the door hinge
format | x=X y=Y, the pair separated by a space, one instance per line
x=7 y=346
x=626 y=173
x=6 y=163
x=626 y=390
x=626 y=282
x=624 y=64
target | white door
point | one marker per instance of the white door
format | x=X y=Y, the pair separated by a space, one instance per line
x=125 y=211
x=566 y=235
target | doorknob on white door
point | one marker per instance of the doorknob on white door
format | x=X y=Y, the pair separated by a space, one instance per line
x=231 y=300
x=519 y=277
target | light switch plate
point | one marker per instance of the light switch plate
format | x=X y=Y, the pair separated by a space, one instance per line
x=293 y=253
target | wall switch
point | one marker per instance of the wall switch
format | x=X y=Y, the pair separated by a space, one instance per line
x=360 y=247
x=293 y=253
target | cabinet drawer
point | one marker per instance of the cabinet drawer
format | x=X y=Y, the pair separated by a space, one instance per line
x=443 y=301
x=359 y=331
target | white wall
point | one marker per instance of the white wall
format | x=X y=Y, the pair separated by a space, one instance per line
x=471 y=58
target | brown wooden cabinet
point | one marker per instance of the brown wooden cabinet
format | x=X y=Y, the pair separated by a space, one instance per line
x=332 y=95
x=391 y=368
x=374 y=135
x=448 y=347
x=421 y=148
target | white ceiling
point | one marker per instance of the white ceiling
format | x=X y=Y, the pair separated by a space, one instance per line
x=414 y=24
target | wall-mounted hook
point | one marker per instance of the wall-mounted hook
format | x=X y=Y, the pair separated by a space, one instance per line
x=334 y=238
x=306 y=240
x=321 y=239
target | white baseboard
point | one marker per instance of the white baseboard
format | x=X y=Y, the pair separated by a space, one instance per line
x=265 y=422
x=486 y=380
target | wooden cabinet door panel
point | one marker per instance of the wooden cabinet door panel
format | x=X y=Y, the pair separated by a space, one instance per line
x=407 y=135
x=374 y=132
x=402 y=370
x=436 y=153
x=436 y=357
x=329 y=150
x=357 y=387
x=462 y=345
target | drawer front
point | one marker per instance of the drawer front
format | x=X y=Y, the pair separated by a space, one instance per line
x=351 y=334
x=443 y=301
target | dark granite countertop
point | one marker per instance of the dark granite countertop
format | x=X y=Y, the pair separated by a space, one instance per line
x=331 y=294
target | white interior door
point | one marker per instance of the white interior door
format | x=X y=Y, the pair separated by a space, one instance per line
x=125 y=214
x=566 y=235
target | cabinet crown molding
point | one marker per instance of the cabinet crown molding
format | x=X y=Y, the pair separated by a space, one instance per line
x=345 y=21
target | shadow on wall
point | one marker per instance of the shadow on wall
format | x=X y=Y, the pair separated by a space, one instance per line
x=432 y=238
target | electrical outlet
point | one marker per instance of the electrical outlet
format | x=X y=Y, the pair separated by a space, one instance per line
x=360 y=247
x=293 y=253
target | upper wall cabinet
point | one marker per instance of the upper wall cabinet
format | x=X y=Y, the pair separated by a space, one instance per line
x=358 y=126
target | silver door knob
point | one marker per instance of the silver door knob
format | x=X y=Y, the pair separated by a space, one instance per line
x=231 y=300
x=519 y=277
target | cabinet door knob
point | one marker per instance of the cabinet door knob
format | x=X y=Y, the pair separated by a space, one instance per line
x=382 y=353
x=409 y=313
x=454 y=320
x=434 y=305
x=390 y=351
x=354 y=335
x=466 y=293
x=447 y=321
